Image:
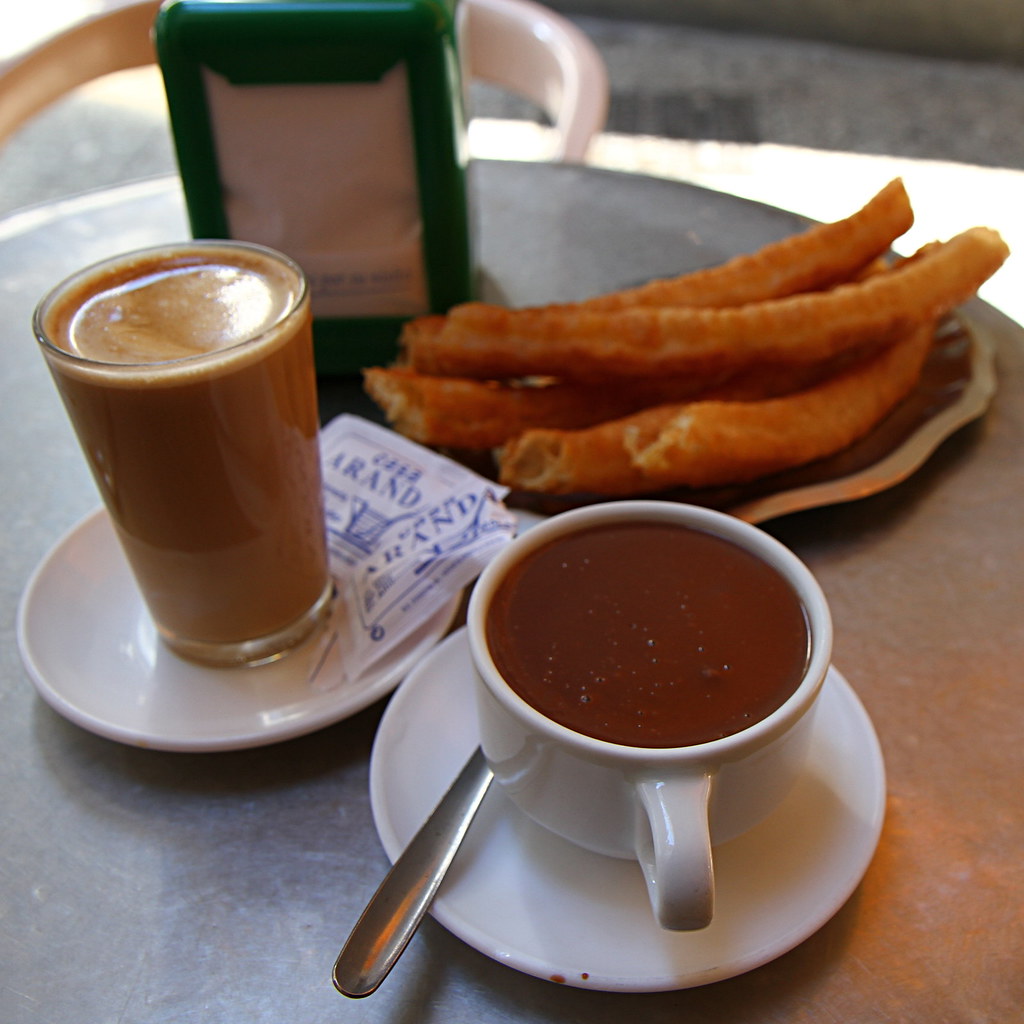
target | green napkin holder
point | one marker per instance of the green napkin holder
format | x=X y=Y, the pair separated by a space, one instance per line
x=334 y=131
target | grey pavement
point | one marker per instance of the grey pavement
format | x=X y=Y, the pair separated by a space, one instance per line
x=668 y=80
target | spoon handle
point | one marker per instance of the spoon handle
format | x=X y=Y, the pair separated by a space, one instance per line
x=397 y=907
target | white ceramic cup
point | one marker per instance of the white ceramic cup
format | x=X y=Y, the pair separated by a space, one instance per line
x=664 y=807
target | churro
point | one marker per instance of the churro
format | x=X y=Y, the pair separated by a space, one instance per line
x=484 y=341
x=458 y=412
x=820 y=257
x=704 y=444
x=716 y=377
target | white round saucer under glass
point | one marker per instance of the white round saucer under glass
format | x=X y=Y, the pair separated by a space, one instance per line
x=92 y=652
x=533 y=901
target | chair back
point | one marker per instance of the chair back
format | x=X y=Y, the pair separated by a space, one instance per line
x=517 y=45
x=534 y=52
x=113 y=40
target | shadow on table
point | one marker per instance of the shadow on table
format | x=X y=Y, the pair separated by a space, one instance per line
x=76 y=756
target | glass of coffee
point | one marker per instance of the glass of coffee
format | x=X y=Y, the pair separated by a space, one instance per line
x=187 y=372
x=647 y=673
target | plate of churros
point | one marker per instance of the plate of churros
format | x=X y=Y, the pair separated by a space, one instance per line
x=815 y=369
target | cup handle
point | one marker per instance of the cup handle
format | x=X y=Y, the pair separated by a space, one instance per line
x=673 y=846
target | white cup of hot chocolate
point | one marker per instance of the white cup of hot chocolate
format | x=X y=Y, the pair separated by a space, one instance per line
x=647 y=674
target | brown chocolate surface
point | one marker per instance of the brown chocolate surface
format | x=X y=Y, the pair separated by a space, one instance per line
x=648 y=634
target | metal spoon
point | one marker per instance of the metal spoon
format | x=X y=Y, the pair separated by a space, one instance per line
x=399 y=904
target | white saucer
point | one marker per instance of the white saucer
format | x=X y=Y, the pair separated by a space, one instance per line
x=537 y=903
x=92 y=651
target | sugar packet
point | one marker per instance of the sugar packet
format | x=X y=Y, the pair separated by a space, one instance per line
x=407 y=530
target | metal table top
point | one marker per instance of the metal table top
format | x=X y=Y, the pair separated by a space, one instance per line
x=144 y=886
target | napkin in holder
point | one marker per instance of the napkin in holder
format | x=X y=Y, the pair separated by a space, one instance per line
x=334 y=131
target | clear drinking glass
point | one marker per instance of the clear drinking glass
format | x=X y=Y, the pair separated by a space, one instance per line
x=187 y=372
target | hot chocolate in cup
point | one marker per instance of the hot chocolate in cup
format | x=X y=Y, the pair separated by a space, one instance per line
x=647 y=675
x=187 y=372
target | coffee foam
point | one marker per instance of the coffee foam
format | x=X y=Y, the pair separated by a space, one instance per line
x=165 y=307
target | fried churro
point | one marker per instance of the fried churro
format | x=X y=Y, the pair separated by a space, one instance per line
x=704 y=444
x=820 y=257
x=457 y=412
x=483 y=341
x=717 y=377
